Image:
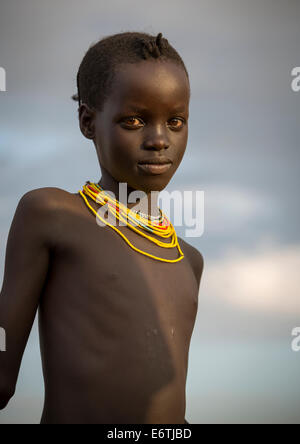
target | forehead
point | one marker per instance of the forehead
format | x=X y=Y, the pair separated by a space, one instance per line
x=149 y=84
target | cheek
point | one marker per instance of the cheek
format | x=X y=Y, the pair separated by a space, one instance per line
x=180 y=143
x=126 y=137
x=181 y=153
x=122 y=148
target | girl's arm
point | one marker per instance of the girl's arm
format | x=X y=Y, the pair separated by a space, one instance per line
x=26 y=265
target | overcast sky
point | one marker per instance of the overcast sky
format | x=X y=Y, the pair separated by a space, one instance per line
x=243 y=152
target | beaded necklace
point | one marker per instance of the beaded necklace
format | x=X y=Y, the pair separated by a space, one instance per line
x=159 y=225
x=147 y=216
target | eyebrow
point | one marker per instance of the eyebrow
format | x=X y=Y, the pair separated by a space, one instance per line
x=140 y=109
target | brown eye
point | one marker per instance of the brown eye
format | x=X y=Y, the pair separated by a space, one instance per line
x=178 y=123
x=131 y=121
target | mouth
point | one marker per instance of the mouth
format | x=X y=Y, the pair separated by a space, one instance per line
x=154 y=168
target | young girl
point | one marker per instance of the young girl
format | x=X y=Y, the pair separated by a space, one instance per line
x=117 y=301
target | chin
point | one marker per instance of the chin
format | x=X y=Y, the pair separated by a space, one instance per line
x=152 y=183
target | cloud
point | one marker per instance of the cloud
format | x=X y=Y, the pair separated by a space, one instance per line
x=229 y=208
x=264 y=280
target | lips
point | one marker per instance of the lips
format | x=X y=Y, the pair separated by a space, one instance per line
x=155 y=161
x=155 y=165
x=154 y=169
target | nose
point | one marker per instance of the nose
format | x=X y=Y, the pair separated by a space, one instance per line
x=157 y=140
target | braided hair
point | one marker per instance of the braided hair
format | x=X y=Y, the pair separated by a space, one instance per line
x=101 y=61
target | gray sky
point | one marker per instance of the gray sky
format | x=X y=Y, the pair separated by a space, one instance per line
x=243 y=151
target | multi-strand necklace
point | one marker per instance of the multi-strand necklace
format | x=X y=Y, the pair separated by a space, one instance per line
x=158 y=225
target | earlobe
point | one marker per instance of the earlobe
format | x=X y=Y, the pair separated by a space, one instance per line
x=86 y=121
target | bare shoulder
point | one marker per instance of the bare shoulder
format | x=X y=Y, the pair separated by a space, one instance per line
x=195 y=258
x=41 y=210
x=46 y=198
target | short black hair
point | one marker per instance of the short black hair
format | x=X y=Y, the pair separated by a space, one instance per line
x=100 y=63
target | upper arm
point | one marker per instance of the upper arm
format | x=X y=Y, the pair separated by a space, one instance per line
x=198 y=264
x=196 y=261
x=26 y=265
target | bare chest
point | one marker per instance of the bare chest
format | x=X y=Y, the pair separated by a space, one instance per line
x=102 y=269
x=101 y=285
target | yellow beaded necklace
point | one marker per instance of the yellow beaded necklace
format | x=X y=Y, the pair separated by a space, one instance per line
x=161 y=226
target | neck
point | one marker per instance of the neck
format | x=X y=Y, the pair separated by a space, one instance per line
x=147 y=204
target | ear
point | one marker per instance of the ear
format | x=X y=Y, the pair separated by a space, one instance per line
x=86 y=117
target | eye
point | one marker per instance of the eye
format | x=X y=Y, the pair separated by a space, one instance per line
x=131 y=121
x=177 y=120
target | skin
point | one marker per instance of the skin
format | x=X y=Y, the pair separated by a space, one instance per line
x=115 y=326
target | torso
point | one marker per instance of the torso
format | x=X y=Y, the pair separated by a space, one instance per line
x=115 y=325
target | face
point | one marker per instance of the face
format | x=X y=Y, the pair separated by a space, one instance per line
x=144 y=119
